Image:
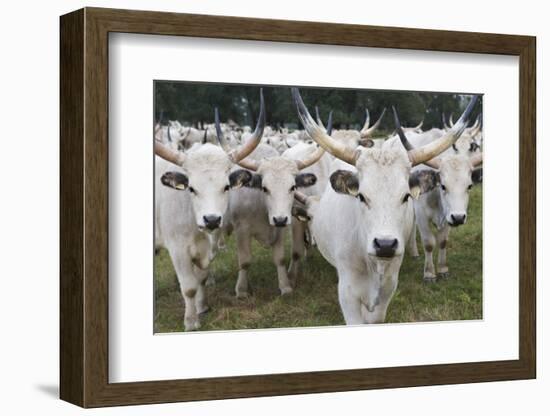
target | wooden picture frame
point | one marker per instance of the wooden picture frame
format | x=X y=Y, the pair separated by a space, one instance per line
x=84 y=207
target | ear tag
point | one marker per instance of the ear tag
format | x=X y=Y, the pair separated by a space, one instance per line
x=415 y=192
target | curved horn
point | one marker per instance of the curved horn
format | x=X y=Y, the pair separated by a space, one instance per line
x=444 y=122
x=219 y=134
x=370 y=130
x=367 y=120
x=477 y=159
x=419 y=126
x=319 y=121
x=405 y=142
x=432 y=149
x=318 y=134
x=168 y=133
x=173 y=156
x=451 y=121
x=311 y=159
x=254 y=140
x=249 y=163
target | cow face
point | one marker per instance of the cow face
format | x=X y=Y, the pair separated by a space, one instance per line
x=207 y=179
x=455 y=175
x=278 y=178
x=384 y=191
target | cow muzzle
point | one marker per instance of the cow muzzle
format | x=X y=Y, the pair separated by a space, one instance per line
x=212 y=222
x=385 y=247
x=456 y=219
x=280 y=221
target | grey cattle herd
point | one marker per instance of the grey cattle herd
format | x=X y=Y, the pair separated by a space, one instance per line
x=359 y=200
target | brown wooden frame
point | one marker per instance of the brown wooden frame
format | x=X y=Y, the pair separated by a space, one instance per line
x=84 y=207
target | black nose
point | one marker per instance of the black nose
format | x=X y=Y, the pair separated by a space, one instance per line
x=212 y=221
x=385 y=247
x=458 y=219
x=280 y=221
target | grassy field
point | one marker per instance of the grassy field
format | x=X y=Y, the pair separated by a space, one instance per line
x=315 y=302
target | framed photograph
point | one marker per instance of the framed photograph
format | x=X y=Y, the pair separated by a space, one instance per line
x=256 y=207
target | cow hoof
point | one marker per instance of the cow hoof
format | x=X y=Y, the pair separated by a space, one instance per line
x=443 y=275
x=430 y=279
x=242 y=294
x=285 y=290
x=192 y=324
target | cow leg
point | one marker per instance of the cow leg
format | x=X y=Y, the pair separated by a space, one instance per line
x=413 y=248
x=278 y=251
x=428 y=241
x=298 y=250
x=442 y=238
x=189 y=285
x=200 y=298
x=244 y=255
x=385 y=294
x=350 y=303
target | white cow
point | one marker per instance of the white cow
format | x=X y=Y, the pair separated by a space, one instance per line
x=361 y=222
x=263 y=208
x=190 y=209
x=454 y=172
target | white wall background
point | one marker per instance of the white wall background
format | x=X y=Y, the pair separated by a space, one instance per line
x=29 y=210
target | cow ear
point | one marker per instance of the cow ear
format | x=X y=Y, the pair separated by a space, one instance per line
x=422 y=181
x=304 y=180
x=477 y=175
x=239 y=178
x=255 y=181
x=175 y=180
x=345 y=182
x=300 y=214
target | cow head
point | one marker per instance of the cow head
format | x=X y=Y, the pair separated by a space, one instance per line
x=456 y=172
x=206 y=174
x=279 y=178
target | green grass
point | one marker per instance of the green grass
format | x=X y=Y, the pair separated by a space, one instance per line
x=314 y=301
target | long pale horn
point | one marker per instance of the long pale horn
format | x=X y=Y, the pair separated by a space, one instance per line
x=368 y=132
x=433 y=149
x=254 y=140
x=419 y=126
x=434 y=163
x=477 y=159
x=318 y=134
x=173 y=156
x=319 y=121
x=367 y=120
x=451 y=121
x=444 y=122
x=311 y=159
x=249 y=163
x=168 y=133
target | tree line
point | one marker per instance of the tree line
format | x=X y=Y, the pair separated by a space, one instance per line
x=194 y=103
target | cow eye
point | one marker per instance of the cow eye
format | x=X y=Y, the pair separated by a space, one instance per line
x=292 y=188
x=406 y=198
x=470 y=186
x=443 y=187
x=226 y=188
x=265 y=189
x=192 y=190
